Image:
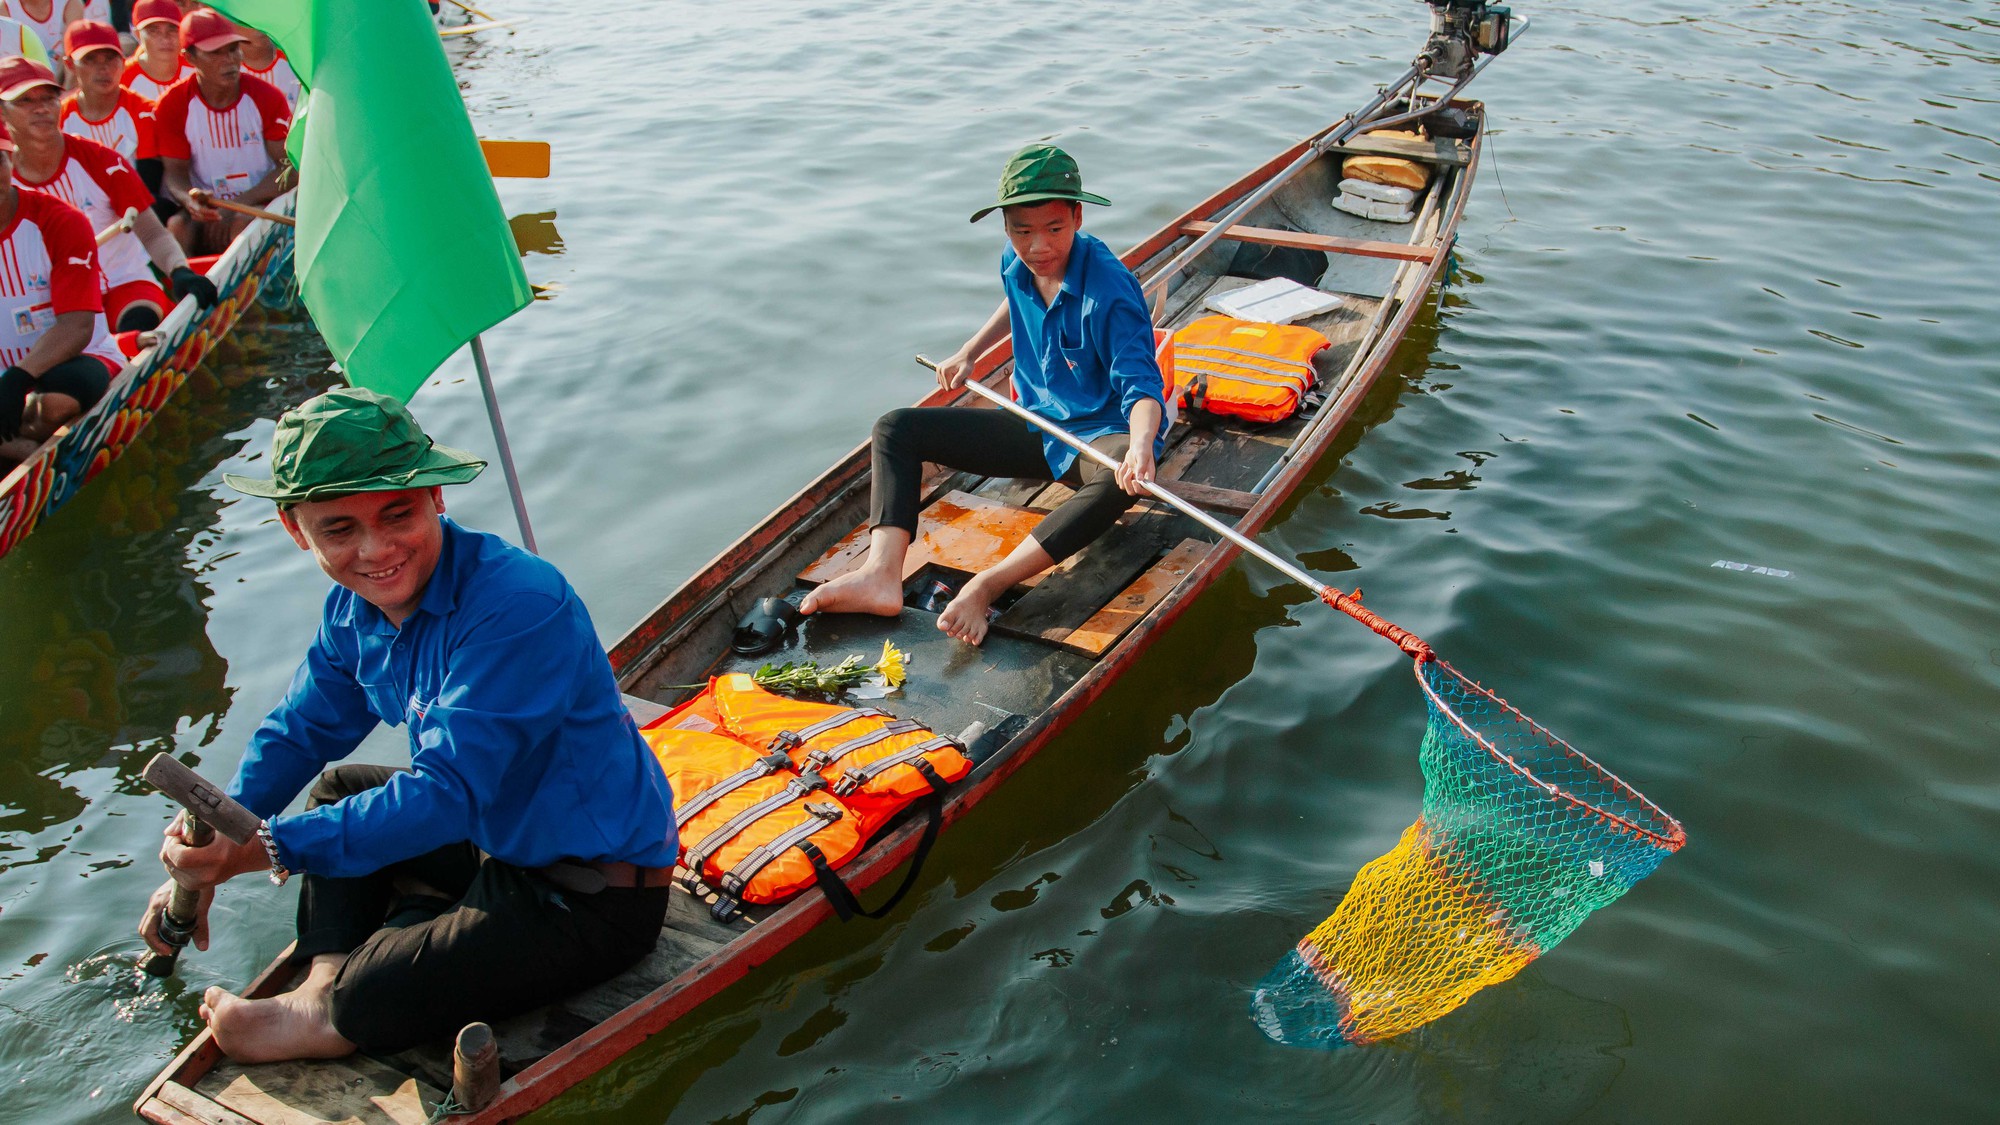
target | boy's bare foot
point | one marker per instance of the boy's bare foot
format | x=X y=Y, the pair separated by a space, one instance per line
x=965 y=617
x=294 y=1025
x=867 y=590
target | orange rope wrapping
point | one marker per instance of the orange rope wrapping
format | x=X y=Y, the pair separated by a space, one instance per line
x=1350 y=604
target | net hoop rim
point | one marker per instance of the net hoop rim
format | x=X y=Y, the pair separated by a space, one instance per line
x=1672 y=840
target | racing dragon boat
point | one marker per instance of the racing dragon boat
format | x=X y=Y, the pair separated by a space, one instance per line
x=34 y=489
x=1055 y=646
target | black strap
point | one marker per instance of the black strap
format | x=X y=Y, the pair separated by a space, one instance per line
x=909 y=755
x=819 y=814
x=697 y=856
x=842 y=896
x=763 y=767
x=833 y=721
x=829 y=755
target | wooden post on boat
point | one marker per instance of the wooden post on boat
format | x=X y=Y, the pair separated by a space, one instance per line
x=500 y=440
x=475 y=1068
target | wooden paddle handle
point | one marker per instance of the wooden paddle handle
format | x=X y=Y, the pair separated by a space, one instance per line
x=208 y=200
x=178 y=923
x=123 y=224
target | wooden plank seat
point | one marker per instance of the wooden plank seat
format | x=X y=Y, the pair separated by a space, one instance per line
x=1441 y=151
x=959 y=531
x=1302 y=240
x=357 y=1090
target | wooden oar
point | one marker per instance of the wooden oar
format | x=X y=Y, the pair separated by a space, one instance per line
x=207 y=200
x=468 y=29
x=123 y=224
x=1343 y=602
x=462 y=5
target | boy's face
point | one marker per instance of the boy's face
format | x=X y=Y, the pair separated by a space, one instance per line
x=1042 y=234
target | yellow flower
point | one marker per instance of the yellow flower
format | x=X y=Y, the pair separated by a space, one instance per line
x=892 y=666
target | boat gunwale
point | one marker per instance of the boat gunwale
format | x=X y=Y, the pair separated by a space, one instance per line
x=749 y=557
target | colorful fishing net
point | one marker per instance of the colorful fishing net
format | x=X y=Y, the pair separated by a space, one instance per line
x=1520 y=838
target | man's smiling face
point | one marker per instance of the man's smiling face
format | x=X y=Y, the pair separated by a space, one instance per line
x=381 y=545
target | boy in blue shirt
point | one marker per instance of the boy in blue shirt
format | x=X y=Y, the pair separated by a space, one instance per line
x=1083 y=358
x=526 y=852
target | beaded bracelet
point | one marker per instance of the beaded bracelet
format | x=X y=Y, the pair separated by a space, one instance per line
x=278 y=871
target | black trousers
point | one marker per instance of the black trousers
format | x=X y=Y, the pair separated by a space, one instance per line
x=996 y=444
x=494 y=940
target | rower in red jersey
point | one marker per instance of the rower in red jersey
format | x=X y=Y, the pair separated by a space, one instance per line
x=158 y=63
x=262 y=58
x=100 y=108
x=221 y=133
x=100 y=183
x=58 y=357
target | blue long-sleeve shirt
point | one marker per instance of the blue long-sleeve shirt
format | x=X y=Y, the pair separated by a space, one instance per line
x=519 y=739
x=1085 y=359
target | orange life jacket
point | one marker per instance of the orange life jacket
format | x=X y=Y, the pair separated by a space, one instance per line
x=1243 y=368
x=774 y=793
x=875 y=762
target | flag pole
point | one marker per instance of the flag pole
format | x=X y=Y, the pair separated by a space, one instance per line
x=500 y=438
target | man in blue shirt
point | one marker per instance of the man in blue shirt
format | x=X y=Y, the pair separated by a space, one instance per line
x=1083 y=358
x=526 y=852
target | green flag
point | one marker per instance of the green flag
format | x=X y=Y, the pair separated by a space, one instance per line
x=403 y=252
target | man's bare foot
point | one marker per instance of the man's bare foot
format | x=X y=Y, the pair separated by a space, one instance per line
x=294 y=1025
x=965 y=617
x=867 y=590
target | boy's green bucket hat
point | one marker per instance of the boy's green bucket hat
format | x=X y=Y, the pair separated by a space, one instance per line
x=1038 y=174
x=351 y=440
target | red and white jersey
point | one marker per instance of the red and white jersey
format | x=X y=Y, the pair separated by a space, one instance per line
x=48 y=30
x=281 y=75
x=100 y=183
x=99 y=10
x=128 y=130
x=145 y=85
x=48 y=266
x=224 y=147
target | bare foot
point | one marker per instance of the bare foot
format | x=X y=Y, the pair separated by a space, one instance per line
x=294 y=1025
x=867 y=590
x=965 y=617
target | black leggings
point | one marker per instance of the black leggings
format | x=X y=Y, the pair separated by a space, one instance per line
x=996 y=444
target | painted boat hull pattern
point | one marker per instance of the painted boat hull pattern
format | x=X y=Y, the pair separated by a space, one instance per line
x=39 y=486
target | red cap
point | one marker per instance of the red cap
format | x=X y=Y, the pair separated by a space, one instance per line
x=19 y=75
x=154 y=11
x=90 y=35
x=206 y=29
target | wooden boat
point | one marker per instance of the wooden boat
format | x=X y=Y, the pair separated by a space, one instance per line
x=1056 y=646
x=35 y=488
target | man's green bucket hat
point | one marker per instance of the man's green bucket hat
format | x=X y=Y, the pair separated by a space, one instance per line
x=351 y=440
x=1038 y=174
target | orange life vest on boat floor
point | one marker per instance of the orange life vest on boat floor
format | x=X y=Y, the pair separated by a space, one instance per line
x=1239 y=367
x=771 y=791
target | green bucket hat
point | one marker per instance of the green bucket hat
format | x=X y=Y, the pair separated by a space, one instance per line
x=1038 y=174
x=351 y=440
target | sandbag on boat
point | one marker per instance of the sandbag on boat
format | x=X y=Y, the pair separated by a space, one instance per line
x=875 y=762
x=1244 y=368
x=1392 y=170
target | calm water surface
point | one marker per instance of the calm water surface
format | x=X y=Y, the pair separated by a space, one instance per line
x=1726 y=296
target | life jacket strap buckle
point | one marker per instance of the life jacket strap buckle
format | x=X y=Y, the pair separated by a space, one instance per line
x=725 y=908
x=812 y=781
x=775 y=760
